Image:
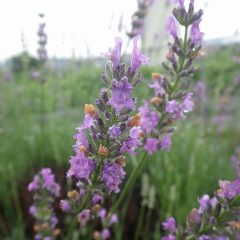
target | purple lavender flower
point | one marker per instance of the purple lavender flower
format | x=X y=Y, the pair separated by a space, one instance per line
x=170 y=225
x=149 y=120
x=172 y=106
x=159 y=90
x=151 y=145
x=114 y=131
x=135 y=132
x=81 y=166
x=114 y=219
x=196 y=34
x=65 y=206
x=166 y=142
x=204 y=202
x=205 y=237
x=81 y=139
x=88 y=121
x=169 y=237
x=45 y=189
x=49 y=181
x=121 y=96
x=102 y=214
x=34 y=185
x=84 y=217
x=130 y=145
x=105 y=234
x=113 y=175
x=45 y=180
x=229 y=189
x=97 y=199
x=33 y=210
x=137 y=57
x=115 y=53
x=171 y=26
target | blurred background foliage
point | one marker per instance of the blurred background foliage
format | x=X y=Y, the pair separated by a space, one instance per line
x=172 y=181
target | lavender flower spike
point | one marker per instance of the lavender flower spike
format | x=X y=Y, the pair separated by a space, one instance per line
x=45 y=191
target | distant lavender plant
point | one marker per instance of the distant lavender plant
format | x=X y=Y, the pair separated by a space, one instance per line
x=108 y=131
x=41 y=51
x=172 y=99
x=138 y=18
x=45 y=190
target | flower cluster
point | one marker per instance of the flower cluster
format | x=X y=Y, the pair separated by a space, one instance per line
x=216 y=218
x=170 y=226
x=108 y=131
x=45 y=190
x=172 y=99
x=138 y=18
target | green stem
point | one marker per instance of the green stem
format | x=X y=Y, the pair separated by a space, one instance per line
x=139 y=223
x=129 y=182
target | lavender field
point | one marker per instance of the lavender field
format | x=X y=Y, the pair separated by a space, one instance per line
x=118 y=145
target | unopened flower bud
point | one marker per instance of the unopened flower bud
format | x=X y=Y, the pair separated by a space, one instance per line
x=96 y=235
x=36 y=228
x=73 y=194
x=156 y=76
x=103 y=151
x=134 y=121
x=96 y=208
x=156 y=100
x=91 y=110
x=121 y=160
x=82 y=149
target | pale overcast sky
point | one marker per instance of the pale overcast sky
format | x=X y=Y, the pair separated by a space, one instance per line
x=76 y=24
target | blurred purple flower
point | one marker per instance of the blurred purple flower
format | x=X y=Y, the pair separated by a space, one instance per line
x=196 y=34
x=81 y=167
x=151 y=145
x=121 y=96
x=115 y=53
x=166 y=142
x=114 y=131
x=171 y=26
x=149 y=120
x=138 y=58
x=113 y=175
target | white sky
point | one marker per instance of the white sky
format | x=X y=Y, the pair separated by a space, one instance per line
x=74 y=24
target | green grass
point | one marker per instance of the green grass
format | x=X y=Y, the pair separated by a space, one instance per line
x=30 y=140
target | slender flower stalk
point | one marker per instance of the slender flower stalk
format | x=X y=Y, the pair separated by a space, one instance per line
x=45 y=191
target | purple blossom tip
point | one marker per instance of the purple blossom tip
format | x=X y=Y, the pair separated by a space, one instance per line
x=115 y=53
x=171 y=26
x=138 y=58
